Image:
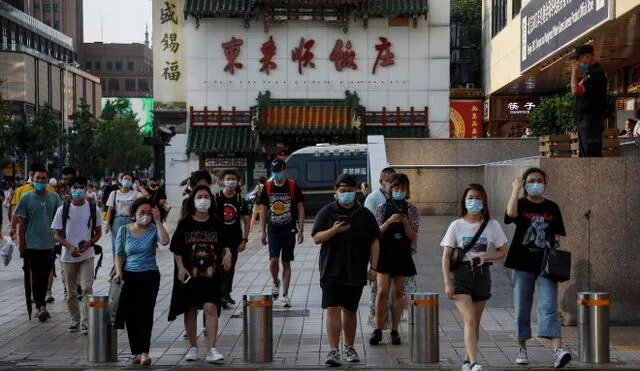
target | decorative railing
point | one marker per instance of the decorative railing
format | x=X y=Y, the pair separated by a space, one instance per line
x=397 y=117
x=219 y=117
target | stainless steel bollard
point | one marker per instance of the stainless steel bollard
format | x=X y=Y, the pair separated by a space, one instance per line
x=103 y=339
x=593 y=327
x=424 y=336
x=257 y=327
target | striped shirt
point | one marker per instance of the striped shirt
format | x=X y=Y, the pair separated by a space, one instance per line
x=139 y=252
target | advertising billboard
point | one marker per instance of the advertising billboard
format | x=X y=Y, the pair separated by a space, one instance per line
x=465 y=118
x=141 y=107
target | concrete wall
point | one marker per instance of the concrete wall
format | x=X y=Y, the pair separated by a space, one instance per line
x=438 y=191
x=604 y=246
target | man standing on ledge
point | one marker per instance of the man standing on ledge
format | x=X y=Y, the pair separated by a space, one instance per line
x=283 y=200
x=591 y=106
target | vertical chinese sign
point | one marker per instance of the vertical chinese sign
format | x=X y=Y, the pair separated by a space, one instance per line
x=168 y=55
x=465 y=118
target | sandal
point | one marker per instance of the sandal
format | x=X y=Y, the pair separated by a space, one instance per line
x=135 y=359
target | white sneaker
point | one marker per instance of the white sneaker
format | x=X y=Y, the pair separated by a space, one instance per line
x=192 y=354
x=286 y=302
x=214 y=356
x=476 y=367
x=521 y=357
x=561 y=358
x=275 y=291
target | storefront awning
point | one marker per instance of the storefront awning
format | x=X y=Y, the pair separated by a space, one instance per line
x=394 y=7
x=218 y=8
x=220 y=139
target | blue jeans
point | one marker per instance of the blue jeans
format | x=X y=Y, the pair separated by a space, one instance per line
x=548 y=316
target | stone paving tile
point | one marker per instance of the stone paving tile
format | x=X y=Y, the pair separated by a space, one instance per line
x=299 y=342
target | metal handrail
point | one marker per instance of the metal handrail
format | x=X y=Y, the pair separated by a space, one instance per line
x=459 y=166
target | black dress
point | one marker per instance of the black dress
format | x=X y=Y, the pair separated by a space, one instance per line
x=395 y=246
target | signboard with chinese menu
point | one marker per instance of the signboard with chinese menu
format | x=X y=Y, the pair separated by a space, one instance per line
x=168 y=54
x=465 y=118
x=549 y=25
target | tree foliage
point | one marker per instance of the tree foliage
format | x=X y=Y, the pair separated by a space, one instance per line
x=41 y=138
x=466 y=16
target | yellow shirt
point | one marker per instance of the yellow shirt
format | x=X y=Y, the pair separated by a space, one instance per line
x=17 y=195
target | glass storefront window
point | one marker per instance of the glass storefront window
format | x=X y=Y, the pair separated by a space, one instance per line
x=118 y=66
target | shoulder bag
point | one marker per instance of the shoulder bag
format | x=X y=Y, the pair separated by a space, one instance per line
x=115 y=289
x=458 y=253
x=556 y=264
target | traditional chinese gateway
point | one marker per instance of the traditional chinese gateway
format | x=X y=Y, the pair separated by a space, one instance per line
x=254 y=78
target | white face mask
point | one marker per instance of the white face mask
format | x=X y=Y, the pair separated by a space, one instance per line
x=203 y=204
x=143 y=219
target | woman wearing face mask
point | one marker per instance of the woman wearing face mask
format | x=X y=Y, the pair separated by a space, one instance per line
x=399 y=222
x=136 y=265
x=469 y=284
x=118 y=204
x=200 y=256
x=538 y=224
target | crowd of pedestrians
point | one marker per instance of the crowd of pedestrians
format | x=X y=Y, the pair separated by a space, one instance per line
x=361 y=243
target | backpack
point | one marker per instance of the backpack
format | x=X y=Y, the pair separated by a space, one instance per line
x=91 y=223
x=292 y=188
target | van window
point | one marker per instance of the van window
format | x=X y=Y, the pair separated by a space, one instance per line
x=321 y=171
x=292 y=172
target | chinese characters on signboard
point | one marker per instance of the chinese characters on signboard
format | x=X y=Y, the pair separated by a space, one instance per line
x=268 y=50
x=169 y=41
x=465 y=119
x=517 y=108
x=231 y=52
x=303 y=55
x=168 y=52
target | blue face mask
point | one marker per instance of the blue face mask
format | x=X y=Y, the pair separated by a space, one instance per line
x=346 y=198
x=40 y=186
x=77 y=194
x=535 y=189
x=584 y=67
x=125 y=183
x=399 y=196
x=278 y=177
x=474 y=207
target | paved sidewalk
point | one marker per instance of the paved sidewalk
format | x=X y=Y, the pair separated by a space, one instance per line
x=299 y=341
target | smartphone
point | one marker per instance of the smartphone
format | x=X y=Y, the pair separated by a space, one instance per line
x=346 y=219
x=186 y=279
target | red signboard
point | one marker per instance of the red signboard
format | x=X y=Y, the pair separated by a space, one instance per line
x=465 y=118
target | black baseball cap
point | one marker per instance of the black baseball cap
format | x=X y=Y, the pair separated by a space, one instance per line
x=582 y=49
x=346 y=180
x=278 y=165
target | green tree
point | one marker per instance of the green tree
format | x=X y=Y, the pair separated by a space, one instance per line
x=81 y=141
x=42 y=137
x=466 y=40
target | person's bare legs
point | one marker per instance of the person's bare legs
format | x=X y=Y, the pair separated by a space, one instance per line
x=381 y=300
x=466 y=308
x=397 y=291
x=274 y=268
x=478 y=309
x=349 y=326
x=211 y=312
x=191 y=326
x=333 y=326
x=286 y=277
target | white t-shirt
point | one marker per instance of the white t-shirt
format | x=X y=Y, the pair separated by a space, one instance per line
x=460 y=232
x=78 y=229
x=123 y=201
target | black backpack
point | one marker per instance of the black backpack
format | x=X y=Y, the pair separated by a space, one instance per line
x=91 y=223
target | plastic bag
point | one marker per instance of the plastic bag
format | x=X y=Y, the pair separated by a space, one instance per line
x=7 y=251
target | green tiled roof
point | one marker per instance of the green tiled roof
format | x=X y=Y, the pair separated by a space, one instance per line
x=394 y=7
x=218 y=8
x=310 y=3
x=308 y=130
x=220 y=139
x=399 y=132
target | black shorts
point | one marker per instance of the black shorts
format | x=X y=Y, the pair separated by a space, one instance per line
x=476 y=282
x=281 y=246
x=338 y=295
x=201 y=290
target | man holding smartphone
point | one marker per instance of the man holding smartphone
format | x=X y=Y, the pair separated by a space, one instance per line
x=349 y=234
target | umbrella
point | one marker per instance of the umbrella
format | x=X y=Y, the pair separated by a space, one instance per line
x=98 y=250
x=26 y=267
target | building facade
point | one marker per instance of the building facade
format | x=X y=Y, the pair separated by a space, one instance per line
x=527 y=44
x=126 y=70
x=36 y=64
x=257 y=78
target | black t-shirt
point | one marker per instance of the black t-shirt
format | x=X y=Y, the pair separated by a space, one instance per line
x=595 y=100
x=345 y=257
x=536 y=224
x=157 y=195
x=230 y=211
x=199 y=246
x=283 y=212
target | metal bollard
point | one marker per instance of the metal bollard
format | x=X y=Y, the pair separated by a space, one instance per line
x=257 y=327
x=593 y=327
x=103 y=340
x=424 y=336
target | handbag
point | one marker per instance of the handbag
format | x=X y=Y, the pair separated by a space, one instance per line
x=458 y=253
x=115 y=290
x=556 y=265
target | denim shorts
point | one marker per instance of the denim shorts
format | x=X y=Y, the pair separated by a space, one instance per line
x=475 y=282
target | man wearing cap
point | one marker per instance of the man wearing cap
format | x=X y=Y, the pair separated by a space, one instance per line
x=591 y=106
x=348 y=233
x=283 y=201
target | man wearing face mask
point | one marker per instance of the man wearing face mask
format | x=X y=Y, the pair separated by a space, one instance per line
x=35 y=212
x=77 y=228
x=349 y=237
x=233 y=212
x=591 y=106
